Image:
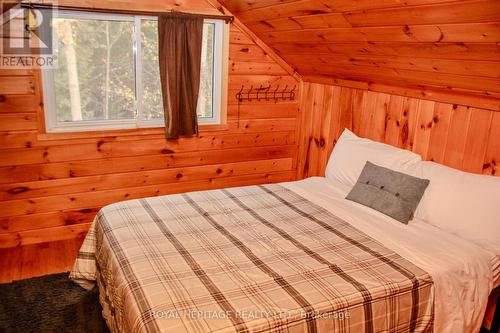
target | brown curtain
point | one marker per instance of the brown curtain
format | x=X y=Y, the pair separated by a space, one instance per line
x=180 y=38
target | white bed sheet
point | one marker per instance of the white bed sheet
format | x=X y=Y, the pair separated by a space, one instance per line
x=463 y=272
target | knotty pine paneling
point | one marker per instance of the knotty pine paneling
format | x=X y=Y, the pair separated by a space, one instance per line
x=38 y=259
x=191 y=6
x=455 y=135
x=51 y=185
x=442 y=50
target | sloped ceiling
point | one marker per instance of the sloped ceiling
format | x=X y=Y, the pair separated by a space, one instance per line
x=441 y=44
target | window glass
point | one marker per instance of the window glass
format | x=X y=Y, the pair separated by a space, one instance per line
x=205 y=98
x=95 y=78
x=152 y=103
x=107 y=73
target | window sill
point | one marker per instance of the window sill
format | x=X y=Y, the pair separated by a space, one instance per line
x=203 y=128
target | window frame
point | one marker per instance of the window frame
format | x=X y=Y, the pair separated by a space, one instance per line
x=47 y=76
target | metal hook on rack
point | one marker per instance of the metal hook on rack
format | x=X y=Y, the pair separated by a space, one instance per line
x=267 y=91
x=239 y=94
x=283 y=93
x=292 y=93
x=258 y=91
x=249 y=92
x=274 y=93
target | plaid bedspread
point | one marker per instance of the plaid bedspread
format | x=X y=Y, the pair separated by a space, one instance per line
x=247 y=259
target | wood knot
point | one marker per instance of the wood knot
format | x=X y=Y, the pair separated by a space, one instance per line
x=2 y=98
x=99 y=144
x=316 y=12
x=18 y=190
x=219 y=171
x=405 y=132
x=407 y=30
x=70 y=221
x=178 y=176
x=322 y=142
x=267 y=24
x=167 y=151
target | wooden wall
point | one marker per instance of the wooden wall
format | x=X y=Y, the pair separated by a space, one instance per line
x=459 y=136
x=443 y=50
x=51 y=185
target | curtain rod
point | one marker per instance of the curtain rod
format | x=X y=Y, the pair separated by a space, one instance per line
x=227 y=19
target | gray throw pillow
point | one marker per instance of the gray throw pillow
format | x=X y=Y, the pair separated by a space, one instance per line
x=390 y=192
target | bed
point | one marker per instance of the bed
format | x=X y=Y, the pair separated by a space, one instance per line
x=292 y=257
x=296 y=256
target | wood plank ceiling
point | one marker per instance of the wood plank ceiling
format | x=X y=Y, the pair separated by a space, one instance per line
x=432 y=44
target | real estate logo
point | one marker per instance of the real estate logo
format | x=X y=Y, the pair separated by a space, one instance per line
x=26 y=34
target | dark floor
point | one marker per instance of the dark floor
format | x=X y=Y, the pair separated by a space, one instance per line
x=50 y=303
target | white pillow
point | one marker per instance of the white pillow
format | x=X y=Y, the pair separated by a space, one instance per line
x=465 y=204
x=352 y=152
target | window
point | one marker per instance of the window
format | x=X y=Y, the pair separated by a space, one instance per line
x=107 y=73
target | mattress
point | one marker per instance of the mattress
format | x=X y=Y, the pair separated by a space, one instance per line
x=464 y=273
x=249 y=259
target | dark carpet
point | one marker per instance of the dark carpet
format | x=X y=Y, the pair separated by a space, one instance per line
x=51 y=303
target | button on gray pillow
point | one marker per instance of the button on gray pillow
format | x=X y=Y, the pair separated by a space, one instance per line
x=390 y=192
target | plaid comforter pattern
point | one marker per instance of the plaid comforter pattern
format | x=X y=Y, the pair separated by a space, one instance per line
x=247 y=259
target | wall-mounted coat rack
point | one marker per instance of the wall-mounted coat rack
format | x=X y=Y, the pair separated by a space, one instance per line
x=266 y=93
